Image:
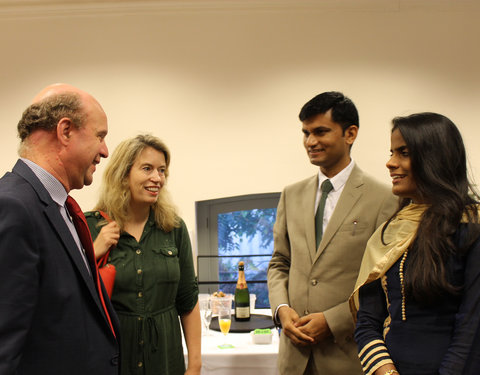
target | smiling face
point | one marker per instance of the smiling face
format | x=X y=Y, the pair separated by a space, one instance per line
x=327 y=145
x=147 y=176
x=400 y=168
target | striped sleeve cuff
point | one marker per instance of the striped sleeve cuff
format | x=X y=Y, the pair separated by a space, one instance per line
x=374 y=355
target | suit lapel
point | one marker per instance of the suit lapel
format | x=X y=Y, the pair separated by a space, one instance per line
x=58 y=226
x=350 y=195
x=308 y=212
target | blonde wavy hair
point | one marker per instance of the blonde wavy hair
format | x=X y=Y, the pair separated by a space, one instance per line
x=115 y=192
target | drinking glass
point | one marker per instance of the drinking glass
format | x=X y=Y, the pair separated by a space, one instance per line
x=206 y=313
x=224 y=322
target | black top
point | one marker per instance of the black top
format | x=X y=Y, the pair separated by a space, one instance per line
x=442 y=338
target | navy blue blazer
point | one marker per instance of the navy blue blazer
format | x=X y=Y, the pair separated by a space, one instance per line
x=51 y=317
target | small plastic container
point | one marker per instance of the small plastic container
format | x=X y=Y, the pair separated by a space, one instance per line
x=262 y=336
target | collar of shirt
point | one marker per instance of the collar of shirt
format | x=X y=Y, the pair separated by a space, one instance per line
x=59 y=196
x=53 y=186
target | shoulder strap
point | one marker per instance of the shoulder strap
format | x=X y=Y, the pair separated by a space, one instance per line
x=105 y=216
x=103 y=260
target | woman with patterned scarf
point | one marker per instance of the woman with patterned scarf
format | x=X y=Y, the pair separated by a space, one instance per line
x=417 y=297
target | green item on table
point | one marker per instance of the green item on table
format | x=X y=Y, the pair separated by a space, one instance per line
x=265 y=331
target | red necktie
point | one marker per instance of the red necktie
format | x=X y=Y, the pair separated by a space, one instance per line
x=81 y=226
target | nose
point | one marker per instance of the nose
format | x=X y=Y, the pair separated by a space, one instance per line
x=311 y=140
x=392 y=163
x=157 y=176
x=103 y=149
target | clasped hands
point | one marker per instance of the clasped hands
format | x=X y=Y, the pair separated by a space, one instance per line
x=307 y=330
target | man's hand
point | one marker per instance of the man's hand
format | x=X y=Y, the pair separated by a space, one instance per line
x=108 y=236
x=315 y=326
x=289 y=318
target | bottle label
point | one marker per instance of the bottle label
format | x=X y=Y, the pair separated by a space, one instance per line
x=242 y=312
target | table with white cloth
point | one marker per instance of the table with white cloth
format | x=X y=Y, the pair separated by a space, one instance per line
x=244 y=358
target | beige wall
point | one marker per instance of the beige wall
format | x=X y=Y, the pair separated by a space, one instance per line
x=223 y=87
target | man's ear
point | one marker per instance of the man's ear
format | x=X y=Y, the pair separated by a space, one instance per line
x=64 y=130
x=350 y=134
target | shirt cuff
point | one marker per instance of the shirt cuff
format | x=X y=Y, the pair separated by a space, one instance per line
x=275 y=317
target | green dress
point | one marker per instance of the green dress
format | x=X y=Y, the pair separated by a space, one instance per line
x=154 y=284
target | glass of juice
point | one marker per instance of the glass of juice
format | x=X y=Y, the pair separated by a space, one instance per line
x=224 y=322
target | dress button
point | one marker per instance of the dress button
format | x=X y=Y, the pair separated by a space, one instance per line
x=140 y=318
x=139 y=271
x=139 y=251
x=314 y=282
x=140 y=294
x=170 y=252
x=306 y=312
x=140 y=342
x=140 y=364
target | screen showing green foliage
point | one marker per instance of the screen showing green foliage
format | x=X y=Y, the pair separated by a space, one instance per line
x=246 y=235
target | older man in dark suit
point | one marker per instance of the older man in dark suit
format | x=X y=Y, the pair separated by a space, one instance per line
x=55 y=316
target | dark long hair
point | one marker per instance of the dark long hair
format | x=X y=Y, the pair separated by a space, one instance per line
x=439 y=168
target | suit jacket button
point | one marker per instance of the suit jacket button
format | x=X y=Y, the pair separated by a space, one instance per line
x=114 y=360
x=314 y=282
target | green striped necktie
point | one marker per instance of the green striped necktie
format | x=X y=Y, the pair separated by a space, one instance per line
x=326 y=188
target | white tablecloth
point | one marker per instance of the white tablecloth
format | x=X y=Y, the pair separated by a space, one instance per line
x=244 y=358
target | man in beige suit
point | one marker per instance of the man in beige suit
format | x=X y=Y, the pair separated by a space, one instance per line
x=309 y=284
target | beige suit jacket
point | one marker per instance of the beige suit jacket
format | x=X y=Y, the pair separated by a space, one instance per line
x=321 y=280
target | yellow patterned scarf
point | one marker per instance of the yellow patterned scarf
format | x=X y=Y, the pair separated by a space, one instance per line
x=378 y=258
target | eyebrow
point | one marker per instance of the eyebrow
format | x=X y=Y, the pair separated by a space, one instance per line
x=318 y=128
x=401 y=148
x=102 y=133
x=151 y=165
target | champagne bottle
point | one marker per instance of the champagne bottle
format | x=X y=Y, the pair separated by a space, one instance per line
x=242 y=296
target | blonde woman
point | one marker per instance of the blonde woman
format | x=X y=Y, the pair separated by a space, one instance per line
x=155 y=281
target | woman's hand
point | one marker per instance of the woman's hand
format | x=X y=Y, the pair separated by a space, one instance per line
x=108 y=237
x=191 y=371
x=387 y=369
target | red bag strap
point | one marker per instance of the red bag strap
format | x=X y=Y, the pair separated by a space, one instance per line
x=105 y=216
x=103 y=260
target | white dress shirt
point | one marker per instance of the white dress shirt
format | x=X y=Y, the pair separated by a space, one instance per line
x=338 y=182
